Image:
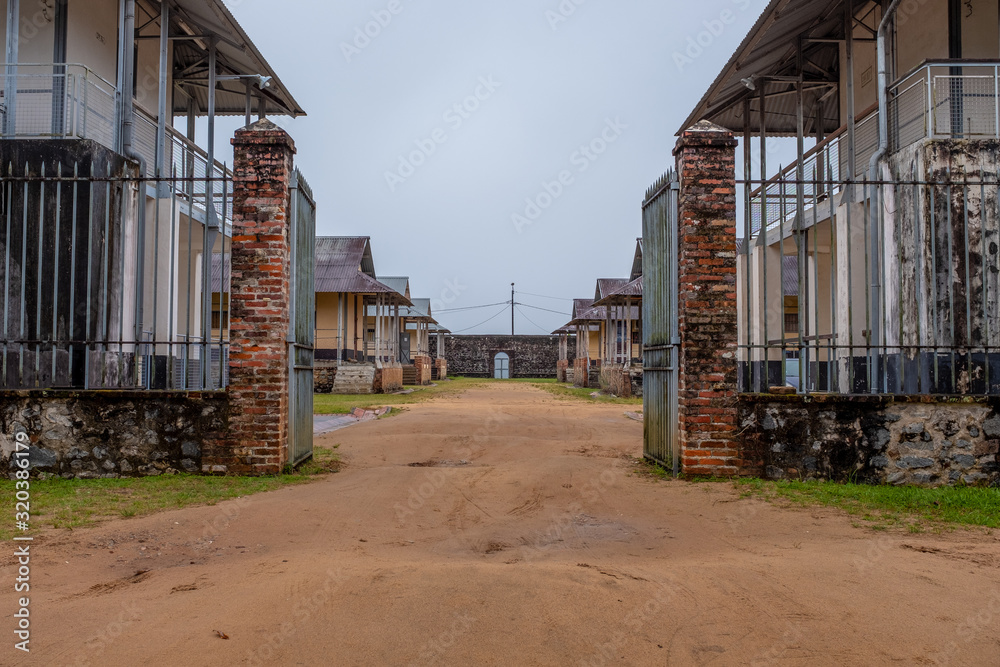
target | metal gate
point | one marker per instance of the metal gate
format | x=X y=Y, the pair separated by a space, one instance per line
x=302 y=327
x=660 y=324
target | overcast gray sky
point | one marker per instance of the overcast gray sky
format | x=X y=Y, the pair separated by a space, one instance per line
x=437 y=187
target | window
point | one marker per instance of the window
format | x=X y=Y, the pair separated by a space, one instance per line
x=791 y=322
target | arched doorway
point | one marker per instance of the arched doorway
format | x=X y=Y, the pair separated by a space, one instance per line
x=501 y=366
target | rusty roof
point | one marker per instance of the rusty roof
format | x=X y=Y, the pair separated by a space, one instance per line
x=608 y=286
x=632 y=289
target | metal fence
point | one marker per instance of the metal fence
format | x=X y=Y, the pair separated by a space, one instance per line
x=892 y=287
x=111 y=280
x=660 y=323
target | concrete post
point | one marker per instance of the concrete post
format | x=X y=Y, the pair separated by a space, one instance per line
x=260 y=290
x=706 y=162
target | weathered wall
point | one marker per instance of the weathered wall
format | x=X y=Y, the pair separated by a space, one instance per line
x=530 y=356
x=871 y=439
x=111 y=434
x=706 y=162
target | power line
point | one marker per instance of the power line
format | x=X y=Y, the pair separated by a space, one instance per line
x=504 y=310
x=540 y=328
x=488 y=305
x=542 y=296
x=547 y=310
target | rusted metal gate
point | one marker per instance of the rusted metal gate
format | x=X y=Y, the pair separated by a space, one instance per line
x=660 y=326
x=302 y=327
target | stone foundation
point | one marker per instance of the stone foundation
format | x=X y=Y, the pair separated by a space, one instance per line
x=86 y=435
x=879 y=440
x=581 y=373
x=440 y=371
x=616 y=380
x=561 y=367
x=324 y=377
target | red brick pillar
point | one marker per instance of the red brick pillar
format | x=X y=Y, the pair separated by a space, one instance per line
x=706 y=161
x=259 y=304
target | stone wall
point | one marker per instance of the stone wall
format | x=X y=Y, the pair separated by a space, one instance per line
x=530 y=356
x=324 y=377
x=871 y=439
x=111 y=434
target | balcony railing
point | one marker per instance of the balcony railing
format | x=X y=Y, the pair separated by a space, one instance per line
x=58 y=101
x=72 y=102
x=952 y=99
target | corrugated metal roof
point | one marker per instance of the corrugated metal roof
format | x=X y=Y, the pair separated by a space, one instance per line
x=608 y=286
x=637 y=260
x=770 y=50
x=221 y=272
x=236 y=55
x=631 y=290
x=399 y=283
x=789 y=274
x=584 y=311
x=344 y=264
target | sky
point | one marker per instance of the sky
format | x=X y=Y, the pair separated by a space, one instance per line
x=484 y=143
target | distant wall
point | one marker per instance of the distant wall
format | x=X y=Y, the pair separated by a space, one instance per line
x=530 y=356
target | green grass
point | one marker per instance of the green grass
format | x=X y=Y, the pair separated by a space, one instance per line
x=341 y=404
x=568 y=391
x=60 y=503
x=883 y=507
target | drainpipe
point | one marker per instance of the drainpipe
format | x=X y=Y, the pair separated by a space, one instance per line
x=128 y=150
x=875 y=335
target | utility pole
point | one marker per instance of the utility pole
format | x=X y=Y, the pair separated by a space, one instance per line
x=512 y=309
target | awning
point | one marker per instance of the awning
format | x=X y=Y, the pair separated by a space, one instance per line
x=770 y=50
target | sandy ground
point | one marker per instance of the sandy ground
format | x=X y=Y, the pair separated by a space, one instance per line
x=531 y=542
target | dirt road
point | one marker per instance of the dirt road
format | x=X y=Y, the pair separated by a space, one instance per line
x=523 y=538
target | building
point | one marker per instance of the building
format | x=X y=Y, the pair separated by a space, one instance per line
x=132 y=208
x=888 y=211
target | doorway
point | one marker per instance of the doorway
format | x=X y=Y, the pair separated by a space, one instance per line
x=501 y=366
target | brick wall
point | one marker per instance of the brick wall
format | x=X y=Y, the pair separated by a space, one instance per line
x=707 y=300
x=259 y=310
x=388 y=379
x=581 y=372
x=561 y=367
x=423 y=365
x=442 y=368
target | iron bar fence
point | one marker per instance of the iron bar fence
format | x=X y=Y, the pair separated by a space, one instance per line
x=894 y=287
x=108 y=281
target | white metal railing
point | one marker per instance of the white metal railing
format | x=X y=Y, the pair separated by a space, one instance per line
x=938 y=100
x=58 y=101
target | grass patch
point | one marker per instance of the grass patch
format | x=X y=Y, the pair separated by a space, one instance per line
x=646 y=468
x=341 y=404
x=883 y=507
x=79 y=503
x=569 y=392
